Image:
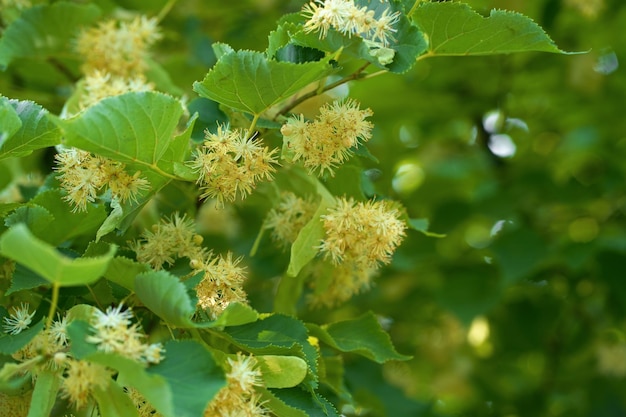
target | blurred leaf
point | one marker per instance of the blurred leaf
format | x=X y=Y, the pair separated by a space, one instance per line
x=362 y=335
x=421 y=225
x=250 y=82
x=19 y=244
x=455 y=29
x=45 y=31
x=304 y=248
x=518 y=252
x=44 y=396
x=113 y=401
x=24 y=279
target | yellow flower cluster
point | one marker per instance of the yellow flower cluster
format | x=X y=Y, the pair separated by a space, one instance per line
x=229 y=164
x=15 y=405
x=333 y=285
x=99 y=84
x=221 y=284
x=83 y=176
x=327 y=141
x=238 y=397
x=223 y=278
x=361 y=234
x=290 y=215
x=118 y=48
x=172 y=238
x=81 y=379
x=114 y=332
x=349 y=19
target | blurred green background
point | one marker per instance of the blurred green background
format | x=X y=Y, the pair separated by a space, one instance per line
x=520 y=160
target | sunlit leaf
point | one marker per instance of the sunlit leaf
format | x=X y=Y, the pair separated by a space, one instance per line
x=166 y=296
x=281 y=371
x=18 y=243
x=455 y=29
x=250 y=82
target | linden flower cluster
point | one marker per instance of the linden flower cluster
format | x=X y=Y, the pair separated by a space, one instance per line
x=238 y=397
x=81 y=378
x=326 y=142
x=172 y=238
x=229 y=164
x=223 y=278
x=114 y=332
x=347 y=18
x=118 y=48
x=290 y=215
x=100 y=84
x=221 y=284
x=83 y=176
x=361 y=234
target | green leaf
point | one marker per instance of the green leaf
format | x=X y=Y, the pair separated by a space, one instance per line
x=166 y=296
x=455 y=29
x=19 y=244
x=9 y=121
x=25 y=279
x=278 y=406
x=36 y=131
x=45 y=30
x=518 y=252
x=250 y=82
x=78 y=330
x=277 y=335
x=281 y=371
x=192 y=374
x=135 y=128
x=235 y=314
x=36 y=218
x=68 y=224
x=44 y=394
x=362 y=335
x=123 y=271
x=10 y=344
x=114 y=402
x=154 y=388
x=303 y=249
x=313 y=404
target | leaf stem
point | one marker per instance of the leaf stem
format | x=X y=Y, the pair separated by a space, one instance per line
x=53 y=304
x=165 y=10
x=417 y=2
x=355 y=75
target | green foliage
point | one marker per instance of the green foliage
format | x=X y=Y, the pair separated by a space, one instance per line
x=504 y=297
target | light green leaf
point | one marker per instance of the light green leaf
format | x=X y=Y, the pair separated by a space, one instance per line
x=235 y=314
x=153 y=387
x=303 y=249
x=19 y=244
x=362 y=335
x=114 y=402
x=455 y=29
x=166 y=296
x=123 y=271
x=250 y=82
x=36 y=130
x=281 y=371
x=44 y=394
x=192 y=374
x=45 y=30
x=135 y=128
